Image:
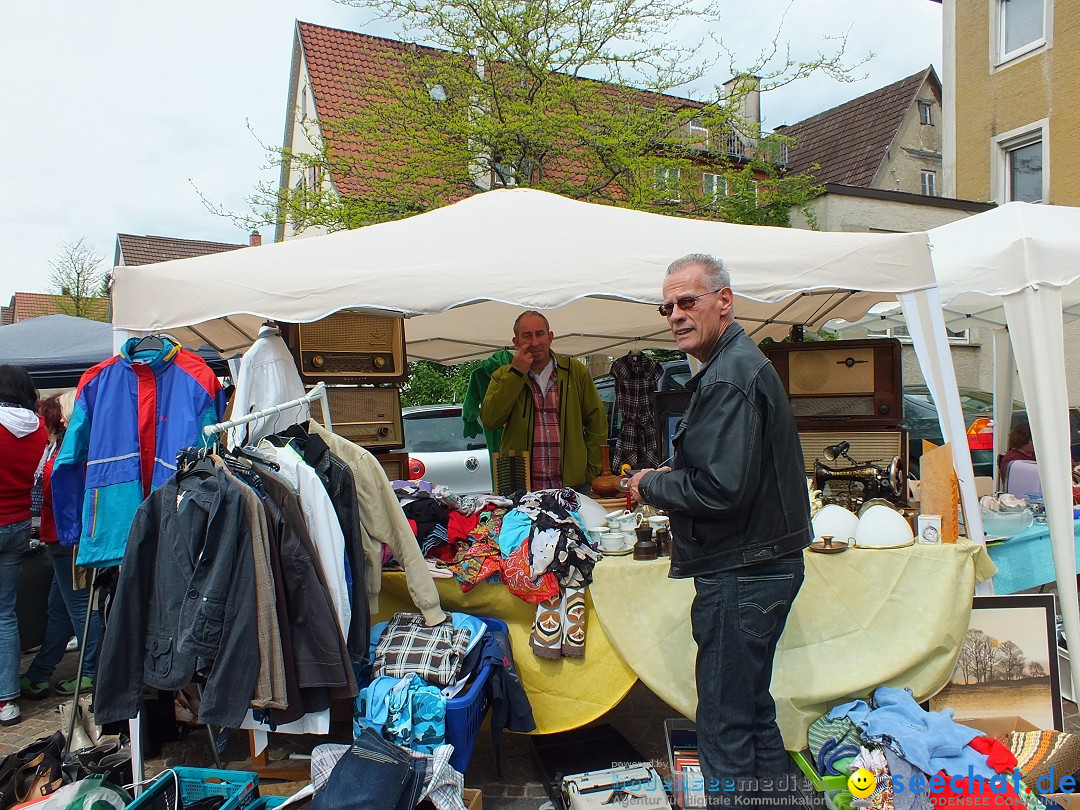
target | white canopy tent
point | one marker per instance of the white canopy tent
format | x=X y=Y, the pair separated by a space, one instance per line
x=470 y=268
x=1016 y=269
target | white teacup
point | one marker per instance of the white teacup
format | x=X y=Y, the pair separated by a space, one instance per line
x=595 y=532
x=612 y=541
x=658 y=521
x=629 y=522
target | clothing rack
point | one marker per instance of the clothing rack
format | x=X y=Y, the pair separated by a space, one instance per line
x=316 y=393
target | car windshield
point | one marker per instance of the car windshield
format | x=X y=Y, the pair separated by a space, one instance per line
x=437 y=432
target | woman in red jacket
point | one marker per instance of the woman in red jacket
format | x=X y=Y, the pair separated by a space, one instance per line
x=22 y=442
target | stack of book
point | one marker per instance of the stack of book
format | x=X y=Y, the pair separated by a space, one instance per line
x=687 y=784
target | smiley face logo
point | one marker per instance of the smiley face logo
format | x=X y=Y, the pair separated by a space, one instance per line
x=861 y=783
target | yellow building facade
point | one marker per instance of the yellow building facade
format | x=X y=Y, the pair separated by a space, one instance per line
x=1012 y=100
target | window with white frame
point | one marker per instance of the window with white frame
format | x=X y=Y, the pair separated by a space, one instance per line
x=303 y=103
x=901 y=333
x=666 y=179
x=698 y=131
x=714 y=186
x=929 y=183
x=1021 y=27
x=926 y=113
x=1020 y=168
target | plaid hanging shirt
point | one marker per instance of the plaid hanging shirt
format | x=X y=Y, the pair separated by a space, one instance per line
x=546 y=459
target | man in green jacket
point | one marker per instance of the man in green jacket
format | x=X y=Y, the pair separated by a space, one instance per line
x=547 y=404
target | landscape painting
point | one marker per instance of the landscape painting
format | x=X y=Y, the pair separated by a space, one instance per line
x=1007 y=663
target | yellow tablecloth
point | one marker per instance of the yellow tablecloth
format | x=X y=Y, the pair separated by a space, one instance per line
x=863 y=618
x=566 y=692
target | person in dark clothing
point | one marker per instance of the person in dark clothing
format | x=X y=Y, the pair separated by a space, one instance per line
x=740 y=514
x=1021 y=448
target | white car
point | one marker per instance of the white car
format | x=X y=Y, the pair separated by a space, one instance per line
x=440 y=453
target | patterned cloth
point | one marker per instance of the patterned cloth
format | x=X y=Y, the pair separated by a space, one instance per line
x=408 y=645
x=517 y=576
x=635 y=380
x=417 y=715
x=546 y=458
x=559 y=626
x=1045 y=753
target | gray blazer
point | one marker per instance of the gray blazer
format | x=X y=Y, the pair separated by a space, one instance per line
x=185 y=602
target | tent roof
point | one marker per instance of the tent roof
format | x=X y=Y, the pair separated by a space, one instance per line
x=473 y=266
x=1001 y=251
x=57 y=349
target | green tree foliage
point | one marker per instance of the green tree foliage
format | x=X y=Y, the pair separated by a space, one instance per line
x=434 y=384
x=569 y=96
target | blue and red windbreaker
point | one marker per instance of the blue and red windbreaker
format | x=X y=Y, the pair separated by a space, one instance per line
x=132 y=416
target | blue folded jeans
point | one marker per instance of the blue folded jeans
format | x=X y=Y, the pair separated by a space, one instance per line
x=374 y=774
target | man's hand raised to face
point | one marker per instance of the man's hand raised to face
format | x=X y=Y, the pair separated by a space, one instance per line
x=523 y=359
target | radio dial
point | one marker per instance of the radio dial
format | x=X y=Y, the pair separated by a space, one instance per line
x=380 y=362
x=318 y=361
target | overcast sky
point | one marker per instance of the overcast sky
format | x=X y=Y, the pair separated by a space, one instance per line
x=116 y=110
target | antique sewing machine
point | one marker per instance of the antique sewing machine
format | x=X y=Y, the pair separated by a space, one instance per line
x=853 y=486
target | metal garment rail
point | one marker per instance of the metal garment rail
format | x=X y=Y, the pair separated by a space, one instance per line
x=316 y=393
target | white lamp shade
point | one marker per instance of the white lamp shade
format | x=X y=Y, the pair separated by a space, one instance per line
x=836 y=522
x=882 y=525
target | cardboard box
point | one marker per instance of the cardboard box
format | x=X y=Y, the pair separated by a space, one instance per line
x=999 y=725
x=820 y=783
x=473 y=799
x=1070 y=801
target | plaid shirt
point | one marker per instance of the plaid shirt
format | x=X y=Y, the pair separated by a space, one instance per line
x=635 y=380
x=409 y=645
x=546 y=459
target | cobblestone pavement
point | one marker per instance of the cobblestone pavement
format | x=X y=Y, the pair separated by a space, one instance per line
x=639 y=718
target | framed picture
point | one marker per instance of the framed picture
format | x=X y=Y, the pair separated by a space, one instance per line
x=1008 y=662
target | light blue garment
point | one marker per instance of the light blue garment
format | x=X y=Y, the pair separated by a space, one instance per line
x=930 y=741
x=417 y=715
x=516 y=526
x=373 y=705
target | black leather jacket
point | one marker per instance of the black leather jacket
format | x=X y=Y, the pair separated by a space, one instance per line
x=737 y=494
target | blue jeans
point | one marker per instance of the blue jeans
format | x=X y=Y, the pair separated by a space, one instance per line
x=374 y=774
x=67 y=618
x=14 y=542
x=737 y=618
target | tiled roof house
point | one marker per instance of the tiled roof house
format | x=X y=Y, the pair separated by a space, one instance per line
x=134 y=250
x=26 y=305
x=335 y=73
x=889 y=139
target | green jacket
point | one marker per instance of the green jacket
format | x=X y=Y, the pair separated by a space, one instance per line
x=582 y=421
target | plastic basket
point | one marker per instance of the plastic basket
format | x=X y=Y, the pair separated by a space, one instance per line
x=267 y=802
x=465 y=714
x=198 y=783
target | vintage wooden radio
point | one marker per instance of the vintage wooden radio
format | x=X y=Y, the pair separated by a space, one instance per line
x=369 y=416
x=349 y=348
x=395 y=465
x=849 y=384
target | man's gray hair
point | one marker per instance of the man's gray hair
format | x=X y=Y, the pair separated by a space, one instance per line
x=716 y=275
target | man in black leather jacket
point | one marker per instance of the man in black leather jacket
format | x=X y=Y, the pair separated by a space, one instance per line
x=740 y=515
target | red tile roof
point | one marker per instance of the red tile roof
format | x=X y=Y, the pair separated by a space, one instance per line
x=32 y=305
x=346 y=70
x=848 y=142
x=134 y=250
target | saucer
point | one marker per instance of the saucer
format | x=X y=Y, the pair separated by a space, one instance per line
x=620 y=553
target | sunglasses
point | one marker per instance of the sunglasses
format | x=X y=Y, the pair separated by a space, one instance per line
x=686 y=303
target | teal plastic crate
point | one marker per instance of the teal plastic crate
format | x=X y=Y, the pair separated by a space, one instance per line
x=238 y=787
x=267 y=802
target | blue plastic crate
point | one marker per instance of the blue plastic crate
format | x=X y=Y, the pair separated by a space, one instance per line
x=239 y=788
x=465 y=714
x=267 y=802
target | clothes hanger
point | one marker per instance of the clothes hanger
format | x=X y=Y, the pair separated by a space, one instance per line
x=149 y=343
x=251 y=454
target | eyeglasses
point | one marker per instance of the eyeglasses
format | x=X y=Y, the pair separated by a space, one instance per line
x=686 y=303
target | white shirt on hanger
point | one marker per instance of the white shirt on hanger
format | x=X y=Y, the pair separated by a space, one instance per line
x=322 y=524
x=268 y=377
